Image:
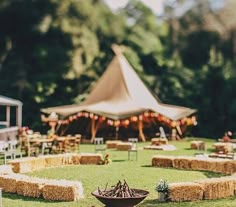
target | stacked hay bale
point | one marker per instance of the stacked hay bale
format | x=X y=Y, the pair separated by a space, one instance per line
x=8 y=183
x=37 y=163
x=222 y=147
x=31 y=187
x=58 y=160
x=233 y=179
x=24 y=165
x=90 y=158
x=182 y=162
x=159 y=141
x=76 y=159
x=124 y=146
x=17 y=165
x=67 y=159
x=162 y=161
x=6 y=169
x=227 y=167
x=216 y=188
x=62 y=190
x=201 y=164
x=53 y=160
x=198 y=145
x=111 y=144
x=185 y=191
x=222 y=166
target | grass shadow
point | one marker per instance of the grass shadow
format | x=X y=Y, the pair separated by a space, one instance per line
x=213 y=174
x=118 y=160
x=146 y=166
x=210 y=150
x=24 y=198
x=187 y=148
x=153 y=202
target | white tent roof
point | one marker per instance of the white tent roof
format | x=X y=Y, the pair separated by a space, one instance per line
x=5 y=101
x=120 y=93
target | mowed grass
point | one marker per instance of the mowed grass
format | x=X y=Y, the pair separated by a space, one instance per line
x=138 y=174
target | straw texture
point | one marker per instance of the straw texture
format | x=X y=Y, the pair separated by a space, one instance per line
x=216 y=188
x=62 y=190
x=90 y=158
x=162 y=161
x=185 y=191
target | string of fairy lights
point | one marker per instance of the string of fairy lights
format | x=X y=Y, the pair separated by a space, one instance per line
x=125 y=122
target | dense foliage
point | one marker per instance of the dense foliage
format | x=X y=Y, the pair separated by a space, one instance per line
x=52 y=52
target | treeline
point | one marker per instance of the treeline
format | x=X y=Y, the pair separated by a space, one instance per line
x=52 y=52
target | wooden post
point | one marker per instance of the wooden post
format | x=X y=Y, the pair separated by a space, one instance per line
x=8 y=116
x=19 y=115
x=140 y=129
x=117 y=132
x=93 y=129
x=179 y=130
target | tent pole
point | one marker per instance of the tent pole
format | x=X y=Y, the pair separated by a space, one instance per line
x=19 y=116
x=94 y=129
x=63 y=131
x=117 y=132
x=140 y=129
x=8 y=119
x=57 y=128
x=179 y=130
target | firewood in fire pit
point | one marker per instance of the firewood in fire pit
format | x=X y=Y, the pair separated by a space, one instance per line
x=119 y=191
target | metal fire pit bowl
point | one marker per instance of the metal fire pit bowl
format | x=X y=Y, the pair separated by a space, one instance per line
x=122 y=202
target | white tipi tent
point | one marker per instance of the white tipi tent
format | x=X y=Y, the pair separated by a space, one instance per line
x=119 y=94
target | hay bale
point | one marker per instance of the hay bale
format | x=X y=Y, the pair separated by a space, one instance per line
x=58 y=160
x=222 y=147
x=162 y=161
x=223 y=166
x=229 y=167
x=67 y=159
x=53 y=160
x=90 y=158
x=76 y=159
x=8 y=183
x=124 y=146
x=62 y=190
x=208 y=164
x=29 y=164
x=37 y=163
x=200 y=164
x=15 y=166
x=111 y=144
x=182 y=162
x=31 y=187
x=233 y=180
x=6 y=169
x=216 y=188
x=198 y=145
x=159 y=141
x=185 y=191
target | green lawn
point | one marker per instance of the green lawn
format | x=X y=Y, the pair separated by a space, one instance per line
x=138 y=174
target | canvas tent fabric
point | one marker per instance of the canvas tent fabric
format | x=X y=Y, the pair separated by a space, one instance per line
x=8 y=132
x=5 y=101
x=119 y=94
